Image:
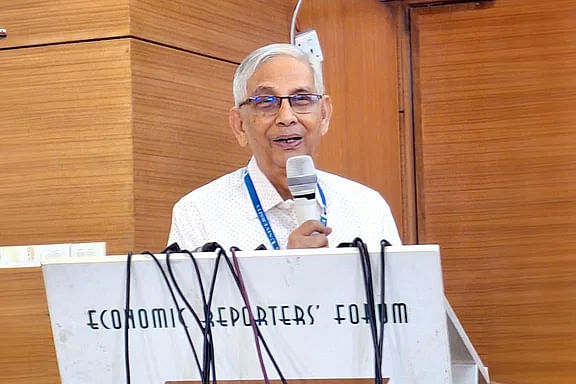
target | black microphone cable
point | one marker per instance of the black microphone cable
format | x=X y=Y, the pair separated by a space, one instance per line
x=369 y=291
x=209 y=351
x=383 y=244
x=178 y=308
x=253 y=325
x=212 y=247
x=208 y=346
x=208 y=307
x=127 y=308
x=209 y=357
x=244 y=298
x=179 y=290
x=208 y=363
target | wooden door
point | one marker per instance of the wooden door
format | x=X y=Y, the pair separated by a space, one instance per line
x=495 y=114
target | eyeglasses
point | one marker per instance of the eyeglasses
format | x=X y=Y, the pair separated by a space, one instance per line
x=301 y=103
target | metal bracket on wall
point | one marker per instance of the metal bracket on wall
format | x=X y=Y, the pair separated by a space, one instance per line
x=3 y=33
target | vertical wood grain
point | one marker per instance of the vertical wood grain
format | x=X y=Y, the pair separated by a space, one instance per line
x=406 y=124
x=181 y=134
x=497 y=102
x=359 y=41
x=66 y=145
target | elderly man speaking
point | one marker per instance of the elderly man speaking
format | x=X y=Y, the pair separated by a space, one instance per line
x=280 y=111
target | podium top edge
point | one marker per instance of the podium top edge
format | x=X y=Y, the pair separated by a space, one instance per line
x=263 y=253
x=338 y=251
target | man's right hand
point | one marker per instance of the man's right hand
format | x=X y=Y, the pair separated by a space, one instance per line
x=311 y=234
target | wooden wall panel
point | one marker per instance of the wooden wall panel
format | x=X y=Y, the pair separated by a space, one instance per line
x=32 y=22
x=497 y=178
x=225 y=29
x=66 y=145
x=28 y=355
x=181 y=134
x=359 y=41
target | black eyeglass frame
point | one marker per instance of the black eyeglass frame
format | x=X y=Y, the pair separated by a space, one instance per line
x=278 y=99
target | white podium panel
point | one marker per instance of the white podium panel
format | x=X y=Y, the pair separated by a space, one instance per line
x=310 y=309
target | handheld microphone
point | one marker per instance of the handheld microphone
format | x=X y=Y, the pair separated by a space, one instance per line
x=302 y=180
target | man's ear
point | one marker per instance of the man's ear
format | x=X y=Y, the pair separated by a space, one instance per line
x=326 y=114
x=237 y=125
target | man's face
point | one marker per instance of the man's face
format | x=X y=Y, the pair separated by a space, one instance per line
x=275 y=137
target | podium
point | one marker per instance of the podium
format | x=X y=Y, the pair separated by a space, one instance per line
x=310 y=306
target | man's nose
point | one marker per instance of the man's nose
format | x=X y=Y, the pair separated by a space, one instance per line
x=286 y=115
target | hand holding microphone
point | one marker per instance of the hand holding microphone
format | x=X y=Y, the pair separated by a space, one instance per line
x=302 y=181
x=311 y=234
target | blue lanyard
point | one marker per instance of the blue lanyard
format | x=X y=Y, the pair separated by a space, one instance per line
x=262 y=215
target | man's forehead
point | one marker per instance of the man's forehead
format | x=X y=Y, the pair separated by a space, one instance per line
x=281 y=74
x=272 y=89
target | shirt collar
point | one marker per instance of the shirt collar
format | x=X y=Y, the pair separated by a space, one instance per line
x=267 y=193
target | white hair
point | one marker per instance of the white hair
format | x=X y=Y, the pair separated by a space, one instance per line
x=253 y=61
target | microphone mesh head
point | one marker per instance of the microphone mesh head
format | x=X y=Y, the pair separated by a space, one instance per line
x=300 y=166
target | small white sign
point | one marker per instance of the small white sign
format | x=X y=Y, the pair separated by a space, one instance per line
x=33 y=255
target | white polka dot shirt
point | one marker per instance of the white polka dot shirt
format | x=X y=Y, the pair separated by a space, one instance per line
x=222 y=211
